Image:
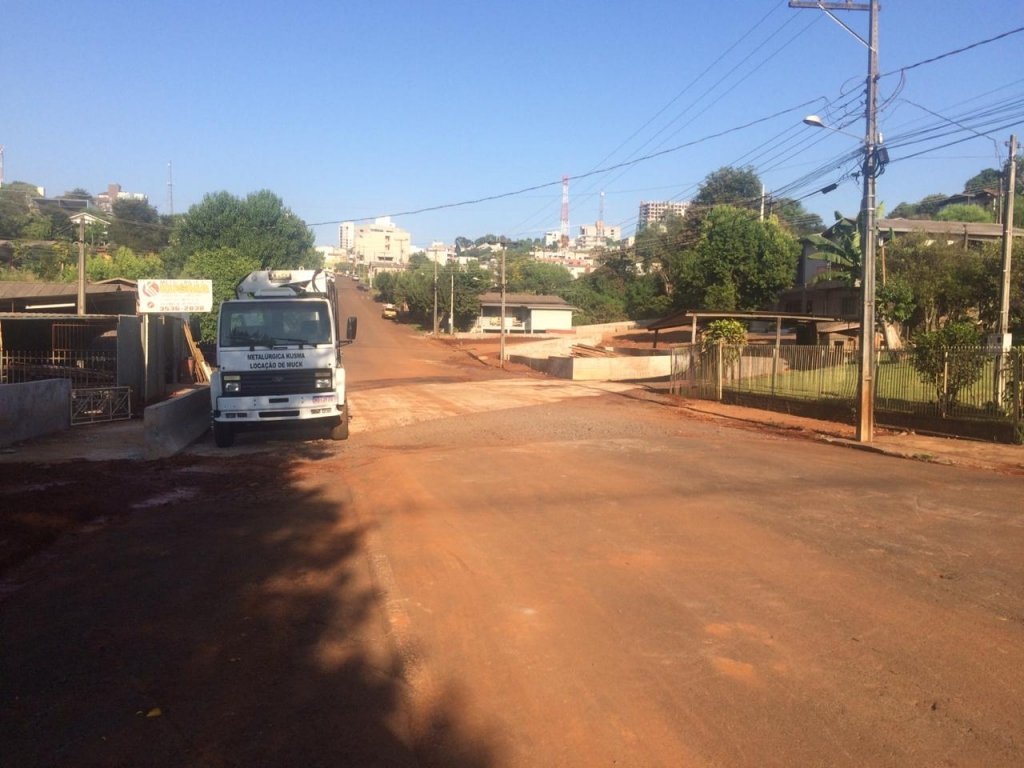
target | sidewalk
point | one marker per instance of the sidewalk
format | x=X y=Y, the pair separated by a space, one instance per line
x=1007 y=459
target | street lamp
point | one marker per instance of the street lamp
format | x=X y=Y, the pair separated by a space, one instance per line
x=866 y=367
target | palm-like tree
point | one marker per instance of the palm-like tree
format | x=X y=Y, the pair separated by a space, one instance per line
x=840 y=247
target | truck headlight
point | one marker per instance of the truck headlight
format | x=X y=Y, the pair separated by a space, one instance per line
x=232 y=384
x=324 y=382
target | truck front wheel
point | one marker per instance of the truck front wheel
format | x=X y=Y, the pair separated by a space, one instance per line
x=223 y=434
x=340 y=430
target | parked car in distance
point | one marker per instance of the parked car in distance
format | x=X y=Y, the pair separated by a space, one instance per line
x=389 y=312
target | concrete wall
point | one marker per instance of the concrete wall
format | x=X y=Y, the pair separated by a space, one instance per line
x=174 y=424
x=33 y=409
x=632 y=368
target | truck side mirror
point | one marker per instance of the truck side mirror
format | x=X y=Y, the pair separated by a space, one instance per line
x=350 y=329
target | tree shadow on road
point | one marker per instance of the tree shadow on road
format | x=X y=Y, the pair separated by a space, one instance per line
x=238 y=626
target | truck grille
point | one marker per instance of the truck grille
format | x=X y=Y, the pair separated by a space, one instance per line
x=260 y=383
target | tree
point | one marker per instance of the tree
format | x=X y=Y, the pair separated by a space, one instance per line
x=527 y=275
x=646 y=298
x=15 y=208
x=125 y=263
x=730 y=186
x=225 y=267
x=894 y=301
x=948 y=282
x=136 y=225
x=990 y=178
x=840 y=247
x=740 y=263
x=725 y=331
x=950 y=360
x=793 y=214
x=259 y=228
x=964 y=212
x=595 y=304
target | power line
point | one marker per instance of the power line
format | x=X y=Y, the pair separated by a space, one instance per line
x=954 y=52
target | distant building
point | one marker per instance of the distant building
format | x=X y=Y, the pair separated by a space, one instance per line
x=440 y=252
x=333 y=256
x=577 y=262
x=652 y=211
x=597 y=235
x=105 y=200
x=382 y=246
x=347 y=235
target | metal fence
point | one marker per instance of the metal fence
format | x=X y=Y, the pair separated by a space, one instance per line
x=965 y=383
x=92 y=405
x=83 y=368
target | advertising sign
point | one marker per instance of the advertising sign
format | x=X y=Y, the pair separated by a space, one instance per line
x=175 y=296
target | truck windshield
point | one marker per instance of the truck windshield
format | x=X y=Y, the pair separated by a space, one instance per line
x=275 y=322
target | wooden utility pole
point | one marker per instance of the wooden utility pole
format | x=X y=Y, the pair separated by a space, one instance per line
x=501 y=350
x=1003 y=339
x=81 y=266
x=1004 y=286
x=866 y=380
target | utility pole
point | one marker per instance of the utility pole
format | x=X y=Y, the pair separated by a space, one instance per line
x=866 y=379
x=501 y=350
x=451 y=315
x=170 y=190
x=1003 y=339
x=81 y=265
x=435 y=294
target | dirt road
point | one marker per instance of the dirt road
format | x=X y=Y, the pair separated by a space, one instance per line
x=503 y=570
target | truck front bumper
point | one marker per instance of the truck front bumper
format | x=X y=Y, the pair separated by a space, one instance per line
x=252 y=410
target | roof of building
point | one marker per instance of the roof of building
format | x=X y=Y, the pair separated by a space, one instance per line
x=529 y=300
x=686 y=317
x=32 y=290
x=958 y=228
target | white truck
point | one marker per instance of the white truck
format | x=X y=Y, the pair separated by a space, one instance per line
x=279 y=355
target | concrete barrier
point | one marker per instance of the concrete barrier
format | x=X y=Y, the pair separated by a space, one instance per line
x=628 y=368
x=33 y=409
x=172 y=425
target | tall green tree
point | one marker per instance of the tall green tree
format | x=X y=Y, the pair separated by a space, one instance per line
x=225 y=267
x=730 y=186
x=136 y=225
x=259 y=227
x=793 y=214
x=740 y=263
x=15 y=208
x=125 y=263
x=524 y=274
x=948 y=282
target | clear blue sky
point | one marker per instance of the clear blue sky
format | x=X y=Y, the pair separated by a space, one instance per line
x=350 y=110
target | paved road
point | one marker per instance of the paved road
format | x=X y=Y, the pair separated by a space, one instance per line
x=508 y=571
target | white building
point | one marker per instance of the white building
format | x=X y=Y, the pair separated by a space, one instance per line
x=332 y=256
x=382 y=246
x=597 y=235
x=346 y=235
x=105 y=200
x=652 y=211
x=440 y=252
